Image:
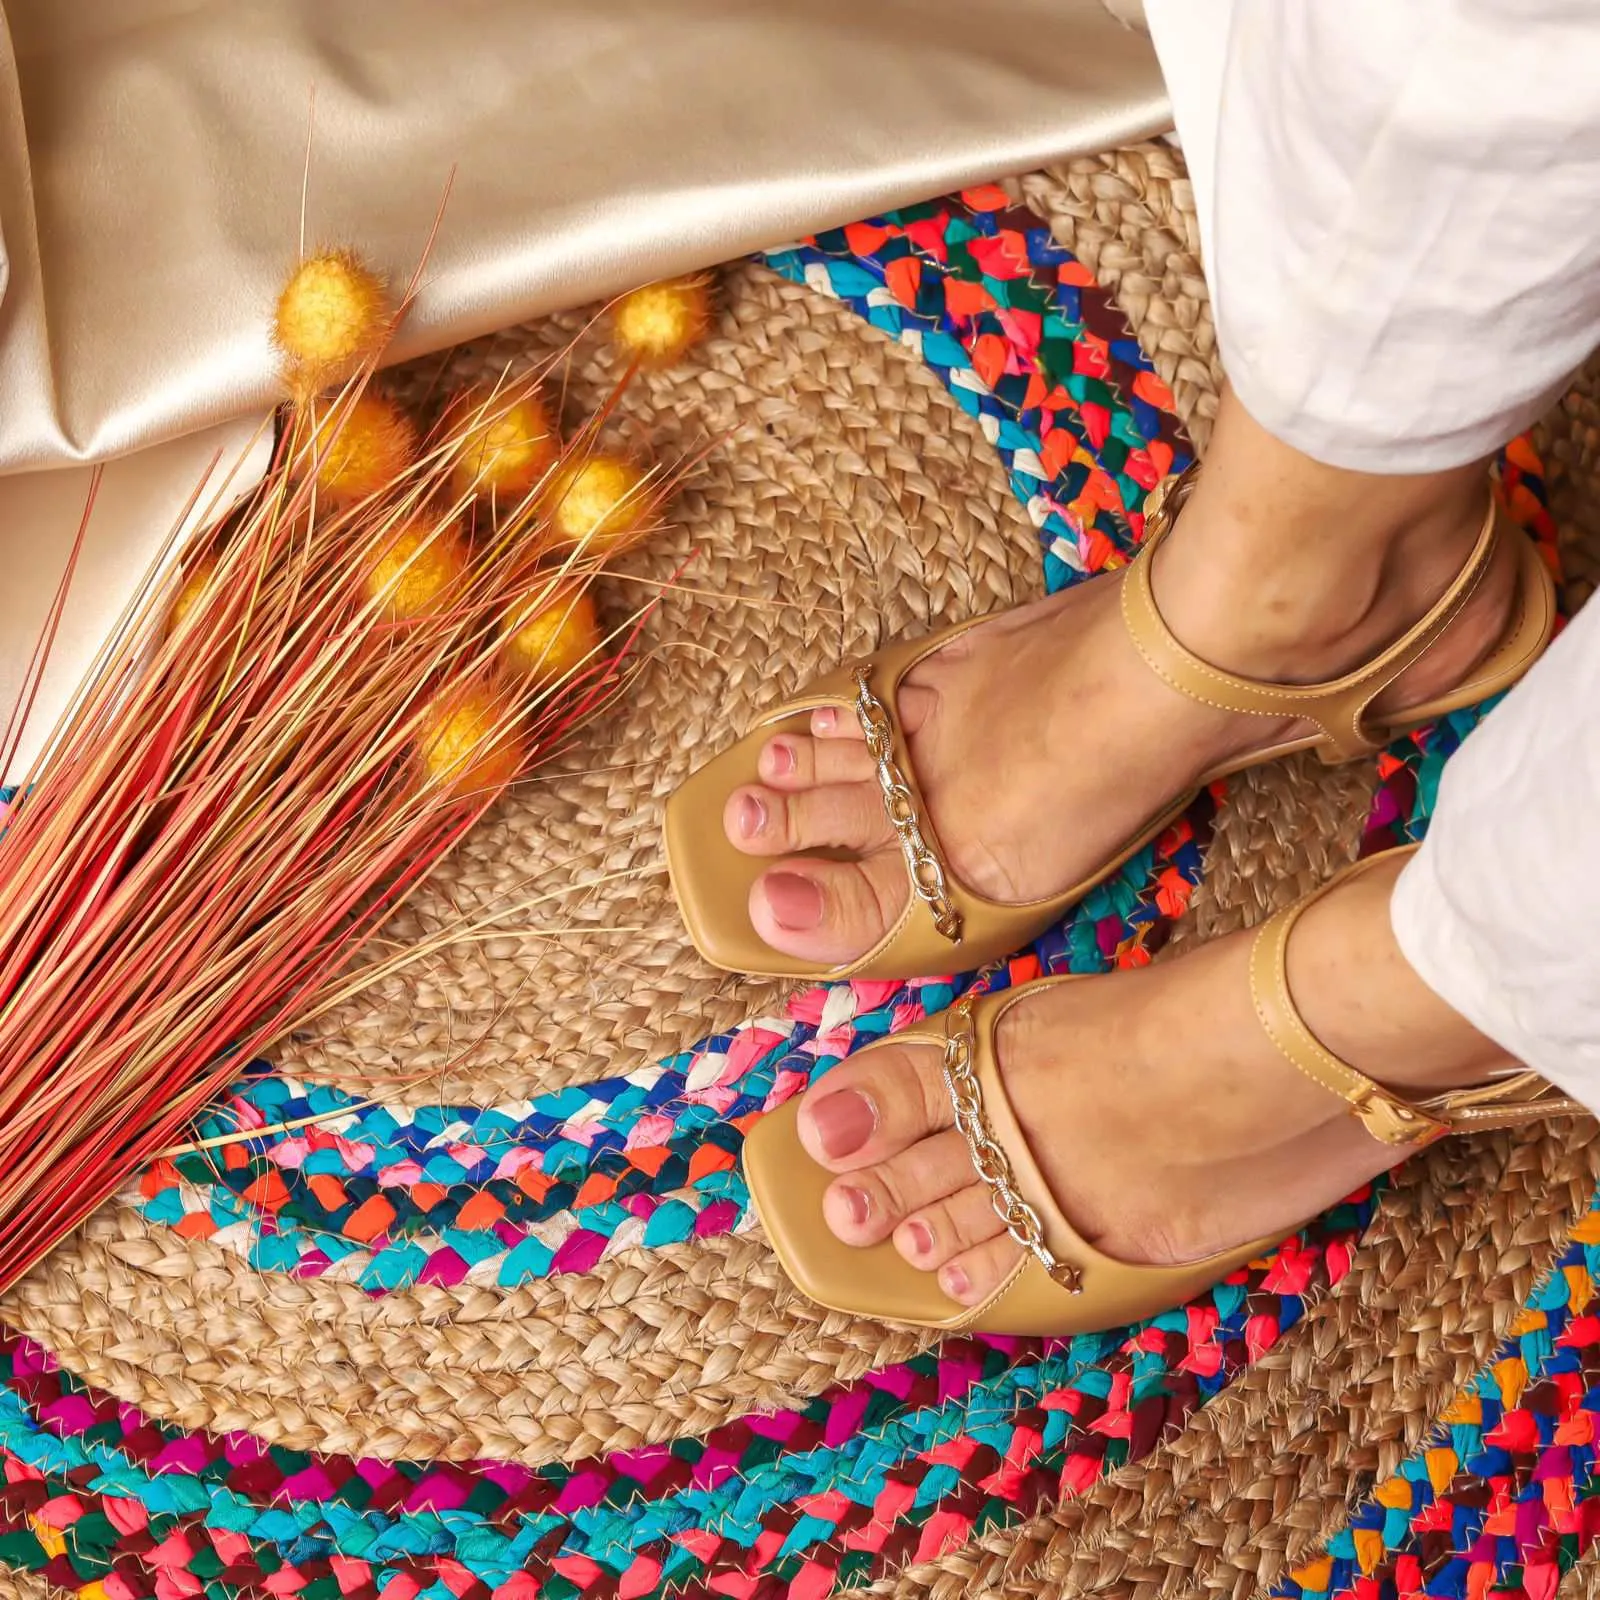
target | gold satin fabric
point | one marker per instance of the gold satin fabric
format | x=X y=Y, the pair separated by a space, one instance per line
x=153 y=151
x=151 y=158
x=142 y=498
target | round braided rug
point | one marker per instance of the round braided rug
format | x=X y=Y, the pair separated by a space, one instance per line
x=498 y=1322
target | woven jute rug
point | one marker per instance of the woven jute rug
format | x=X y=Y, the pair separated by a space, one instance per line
x=484 y=1312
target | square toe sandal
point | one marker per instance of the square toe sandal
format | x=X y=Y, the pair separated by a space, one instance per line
x=946 y=927
x=1062 y=1284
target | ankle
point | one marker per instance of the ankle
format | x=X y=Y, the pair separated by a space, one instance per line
x=1364 y=1001
x=1331 y=565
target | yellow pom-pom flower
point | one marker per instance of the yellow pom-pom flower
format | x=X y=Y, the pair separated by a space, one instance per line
x=197 y=577
x=658 y=323
x=548 y=638
x=333 y=313
x=505 y=449
x=465 y=744
x=362 y=448
x=598 y=500
x=415 y=566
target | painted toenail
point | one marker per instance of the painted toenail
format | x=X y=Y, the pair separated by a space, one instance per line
x=956 y=1283
x=843 y=1122
x=921 y=1237
x=824 y=720
x=781 y=759
x=752 y=816
x=859 y=1204
x=796 y=902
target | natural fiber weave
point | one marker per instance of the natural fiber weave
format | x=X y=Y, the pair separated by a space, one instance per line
x=1128 y=215
x=650 y=1347
x=854 y=489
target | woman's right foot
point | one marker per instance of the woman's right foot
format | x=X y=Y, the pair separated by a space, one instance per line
x=1042 y=740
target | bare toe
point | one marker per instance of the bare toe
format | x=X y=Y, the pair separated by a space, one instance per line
x=873 y=1107
x=914 y=705
x=934 y=1234
x=868 y=1204
x=829 y=912
x=791 y=761
x=971 y=1277
x=836 y=722
x=844 y=816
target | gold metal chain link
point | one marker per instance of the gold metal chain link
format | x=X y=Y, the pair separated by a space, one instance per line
x=925 y=868
x=992 y=1163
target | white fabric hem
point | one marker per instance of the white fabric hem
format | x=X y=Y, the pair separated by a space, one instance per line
x=1463 y=972
x=1394 y=206
x=1336 y=442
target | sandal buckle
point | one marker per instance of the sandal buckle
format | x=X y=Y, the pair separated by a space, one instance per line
x=1394 y=1122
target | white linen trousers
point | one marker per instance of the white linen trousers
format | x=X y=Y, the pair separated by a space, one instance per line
x=1399 y=204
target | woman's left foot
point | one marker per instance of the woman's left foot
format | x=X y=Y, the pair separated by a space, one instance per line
x=1160 y=1112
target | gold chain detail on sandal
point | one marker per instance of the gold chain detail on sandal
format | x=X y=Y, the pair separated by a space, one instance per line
x=992 y=1163
x=927 y=871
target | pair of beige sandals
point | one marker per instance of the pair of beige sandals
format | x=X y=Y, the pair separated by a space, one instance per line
x=1062 y=1284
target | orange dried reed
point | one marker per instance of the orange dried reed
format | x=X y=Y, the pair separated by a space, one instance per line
x=247 y=790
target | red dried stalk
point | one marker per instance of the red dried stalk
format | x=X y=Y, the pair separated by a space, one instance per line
x=237 y=804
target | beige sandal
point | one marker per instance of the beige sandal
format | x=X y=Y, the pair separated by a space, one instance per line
x=1062 y=1284
x=945 y=926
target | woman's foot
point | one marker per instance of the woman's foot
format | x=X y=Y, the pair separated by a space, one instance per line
x=1042 y=740
x=1164 y=1119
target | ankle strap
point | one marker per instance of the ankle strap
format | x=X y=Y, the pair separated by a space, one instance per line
x=1501 y=1103
x=1339 y=705
x=1385 y=1116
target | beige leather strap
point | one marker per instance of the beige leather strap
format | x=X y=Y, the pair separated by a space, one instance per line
x=1385 y=1116
x=1503 y=1103
x=1338 y=706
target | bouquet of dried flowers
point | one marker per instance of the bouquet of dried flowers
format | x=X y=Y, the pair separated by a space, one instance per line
x=276 y=746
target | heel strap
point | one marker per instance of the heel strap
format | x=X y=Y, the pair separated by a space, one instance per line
x=1338 y=706
x=1388 y=1117
x=1503 y=1103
